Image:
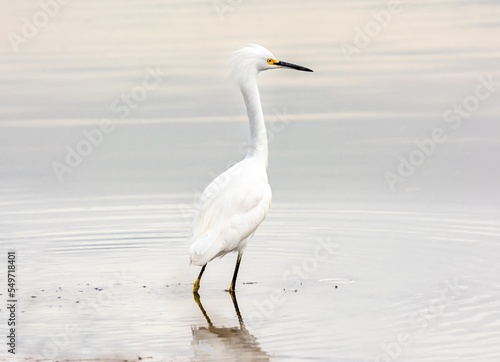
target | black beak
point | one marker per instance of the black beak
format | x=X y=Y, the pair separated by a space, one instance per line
x=293 y=66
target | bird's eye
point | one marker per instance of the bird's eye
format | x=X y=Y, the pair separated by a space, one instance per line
x=270 y=61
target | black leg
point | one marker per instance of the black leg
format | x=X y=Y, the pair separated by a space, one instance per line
x=232 y=287
x=196 y=285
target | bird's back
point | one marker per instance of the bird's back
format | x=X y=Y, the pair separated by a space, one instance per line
x=230 y=210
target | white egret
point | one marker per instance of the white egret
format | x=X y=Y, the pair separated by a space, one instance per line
x=228 y=215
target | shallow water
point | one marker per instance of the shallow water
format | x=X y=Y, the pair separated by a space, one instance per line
x=109 y=278
x=345 y=267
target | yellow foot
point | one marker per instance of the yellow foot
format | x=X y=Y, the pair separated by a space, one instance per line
x=196 y=286
x=231 y=289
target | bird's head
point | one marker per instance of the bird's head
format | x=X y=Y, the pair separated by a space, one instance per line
x=252 y=59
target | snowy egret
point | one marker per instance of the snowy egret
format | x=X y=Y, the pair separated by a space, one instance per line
x=236 y=202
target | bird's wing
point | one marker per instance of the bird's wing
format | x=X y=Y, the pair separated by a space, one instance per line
x=229 y=213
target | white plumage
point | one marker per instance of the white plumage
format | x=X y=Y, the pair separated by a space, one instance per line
x=228 y=215
x=237 y=201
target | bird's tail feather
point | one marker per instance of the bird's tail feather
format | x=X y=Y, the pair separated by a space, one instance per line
x=204 y=249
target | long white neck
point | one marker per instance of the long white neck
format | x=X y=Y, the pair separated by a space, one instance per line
x=258 y=136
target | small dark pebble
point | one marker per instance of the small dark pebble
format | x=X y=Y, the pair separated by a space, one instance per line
x=336 y=287
x=144 y=286
x=78 y=301
x=58 y=297
x=33 y=296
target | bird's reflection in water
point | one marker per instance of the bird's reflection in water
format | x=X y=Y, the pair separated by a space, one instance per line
x=225 y=343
